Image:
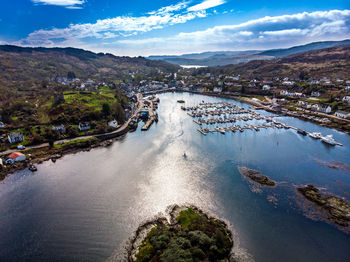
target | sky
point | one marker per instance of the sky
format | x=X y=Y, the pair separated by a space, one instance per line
x=171 y=27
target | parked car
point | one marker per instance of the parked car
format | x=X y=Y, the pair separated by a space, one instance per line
x=21 y=147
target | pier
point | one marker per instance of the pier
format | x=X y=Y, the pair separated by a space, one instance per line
x=151 y=116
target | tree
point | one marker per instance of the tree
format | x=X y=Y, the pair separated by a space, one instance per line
x=119 y=113
x=303 y=75
x=51 y=143
x=106 y=109
x=70 y=75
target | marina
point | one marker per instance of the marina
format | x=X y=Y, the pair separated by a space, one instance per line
x=224 y=114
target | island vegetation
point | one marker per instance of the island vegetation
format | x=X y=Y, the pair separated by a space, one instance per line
x=336 y=209
x=191 y=235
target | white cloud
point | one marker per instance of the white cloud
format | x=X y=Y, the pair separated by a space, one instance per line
x=264 y=33
x=121 y=35
x=71 y=4
x=206 y=5
x=120 y=26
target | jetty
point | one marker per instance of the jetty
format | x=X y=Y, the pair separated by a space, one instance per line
x=151 y=115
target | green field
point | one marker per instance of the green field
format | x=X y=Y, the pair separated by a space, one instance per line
x=91 y=99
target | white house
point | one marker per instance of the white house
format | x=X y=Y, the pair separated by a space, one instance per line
x=315 y=107
x=295 y=94
x=84 y=126
x=342 y=114
x=60 y=129
x=16 y=157
x=217 y=89
x=302 y=104
x=347 y=88
x=1 y=163
x=236 y=78
x=113 y=123
x=2 y=125
x=288 y=83
x=325 y=109
x=346 y=99
x=284 y=93
x=15 y=137
x=315 y=94
x=266 y=87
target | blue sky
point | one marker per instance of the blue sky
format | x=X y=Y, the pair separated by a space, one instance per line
x=149 y=27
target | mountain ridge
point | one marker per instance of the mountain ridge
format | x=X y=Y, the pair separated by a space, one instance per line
x=222 y=58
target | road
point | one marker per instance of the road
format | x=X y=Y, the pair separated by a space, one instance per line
x=121 y=128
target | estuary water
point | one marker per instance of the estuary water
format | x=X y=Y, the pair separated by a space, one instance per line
x=85 y=206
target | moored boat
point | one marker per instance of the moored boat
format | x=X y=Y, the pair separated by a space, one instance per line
x=300 y=131
x=32 y=167
x=316 y=135
x=329 y=140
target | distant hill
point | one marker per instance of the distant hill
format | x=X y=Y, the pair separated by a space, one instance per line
x=24 y=68
x=213 y=58
x=303 y=48
x=25 y=63
x=222 y=58
x=331 y=62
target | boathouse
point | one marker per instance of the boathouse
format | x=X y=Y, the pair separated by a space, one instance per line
x=16 y=157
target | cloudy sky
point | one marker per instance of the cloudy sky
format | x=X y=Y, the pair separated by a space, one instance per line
x=149 y=27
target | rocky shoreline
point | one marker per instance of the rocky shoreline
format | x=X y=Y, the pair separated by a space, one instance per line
x=335 y=209
x=256 y=176
x=189 y=235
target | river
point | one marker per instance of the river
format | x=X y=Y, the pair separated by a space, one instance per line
x=85 y=206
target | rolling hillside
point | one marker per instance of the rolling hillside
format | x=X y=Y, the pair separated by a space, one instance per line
x=331 y=62
x=25 y=68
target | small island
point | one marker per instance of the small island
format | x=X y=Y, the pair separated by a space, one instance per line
x=256 y=176
x=191 y=235
x=336 y=208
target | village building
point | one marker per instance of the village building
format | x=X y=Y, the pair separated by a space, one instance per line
x=1 y=164
x=322 y=109
x=266 y=87
x=315 y=94
x=84 y=126
x=346 y=99
x=15 y=138
x=288 y=83
x=302 y=104
x=59 y=129
x=284 y=93
x=342 y=114
x=217 y=90
x=113 y=123
x=2 y=125
x=16 y=157
x=236 y=78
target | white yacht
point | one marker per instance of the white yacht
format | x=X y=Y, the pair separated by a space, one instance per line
x=316 y=135
x=329 y=140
